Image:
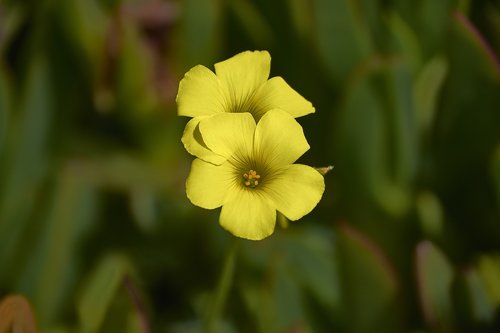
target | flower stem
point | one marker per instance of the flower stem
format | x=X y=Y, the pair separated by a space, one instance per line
x=218 y=301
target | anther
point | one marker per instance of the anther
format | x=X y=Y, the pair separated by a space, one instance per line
x=250 y=178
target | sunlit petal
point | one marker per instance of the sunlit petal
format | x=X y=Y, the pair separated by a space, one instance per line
x=248 y=214
x=227 y=133
x=200 y=93
x=242 y=75
x=279 y=139
x=296 y=190
x=277 y=94
x=207 y=185
x=194 y=144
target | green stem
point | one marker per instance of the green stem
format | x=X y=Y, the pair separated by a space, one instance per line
x=214 y=314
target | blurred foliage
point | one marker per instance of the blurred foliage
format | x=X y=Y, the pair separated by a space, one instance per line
x=96 y=232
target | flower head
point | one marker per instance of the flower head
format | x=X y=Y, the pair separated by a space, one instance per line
x=257 y=176
x=240 y=84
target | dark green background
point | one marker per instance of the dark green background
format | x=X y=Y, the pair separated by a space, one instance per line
x=95 y=228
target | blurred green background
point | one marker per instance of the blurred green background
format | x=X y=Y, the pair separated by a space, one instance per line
x=95 y=228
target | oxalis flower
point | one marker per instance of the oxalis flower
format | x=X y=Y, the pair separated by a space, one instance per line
x=258 y=177
x=239 y=84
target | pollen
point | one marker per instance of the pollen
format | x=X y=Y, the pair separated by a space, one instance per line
x=251 y=179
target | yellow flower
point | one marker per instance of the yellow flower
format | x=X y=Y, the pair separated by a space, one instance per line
x=239 y=84
x=257 y=177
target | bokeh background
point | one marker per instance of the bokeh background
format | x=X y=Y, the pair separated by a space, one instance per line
x=96 y=232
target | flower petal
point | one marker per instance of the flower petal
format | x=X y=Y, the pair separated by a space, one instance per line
x=200 y=93
x=279 y=139
x=208 y=184
x=248 y=214
x=296 y=190
x=227 y=133
x=194 y=144
x=277 y=94
x=243 y=74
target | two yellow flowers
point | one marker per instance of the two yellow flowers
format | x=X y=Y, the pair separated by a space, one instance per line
x=246 y=139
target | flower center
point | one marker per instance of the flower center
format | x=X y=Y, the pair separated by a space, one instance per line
x=251 y=179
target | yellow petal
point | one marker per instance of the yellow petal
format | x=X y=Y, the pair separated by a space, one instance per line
x=200 y=93
x=279 y=139
x=194 y=144
x=247 y=214
x=207 y=184
x=229 y=133
x=243 y=74
x=296 y=190
x=277 y=94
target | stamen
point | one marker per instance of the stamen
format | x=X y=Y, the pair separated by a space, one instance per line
x=250 y=178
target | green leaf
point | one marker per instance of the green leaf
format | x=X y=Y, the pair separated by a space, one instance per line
x=311 y=259
x=288 y=302
x=135 y=91
x=466 y=134
x=142 y=205
x=252 y=21
x=27 y=141
x=430 y=213
x=492 y=12
x=302 y=17
x=369 y=285
x=277 y=306
x=431 y=19
x=402 y=123
x=480 y=308
x=260 y=304
x=474 y=35
x=302 y=268
x=489 y=270
x=495 y=167
x=360 y=138
x=376 y=137
x=100 y=291
x=434 y=20
x=86 y=24
x=49 y=276
x=426 y=91
x=406 y=40
x=216 y=308
x=24 y=161
x=199 y=34
x=4 y=110
x=196 y=326
x=343 y=41
x=434 y=279
x=468 y=127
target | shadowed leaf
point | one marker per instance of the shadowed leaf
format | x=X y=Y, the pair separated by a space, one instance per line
x=434 y=278
x=110 y=293
x=24 y=162
x=343 y=41
x=489 y=270
x=49 y=275
x=369 y=284
x=426 y=91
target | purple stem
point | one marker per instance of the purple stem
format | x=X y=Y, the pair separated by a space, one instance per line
x=138 y=304
x=483 y=43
